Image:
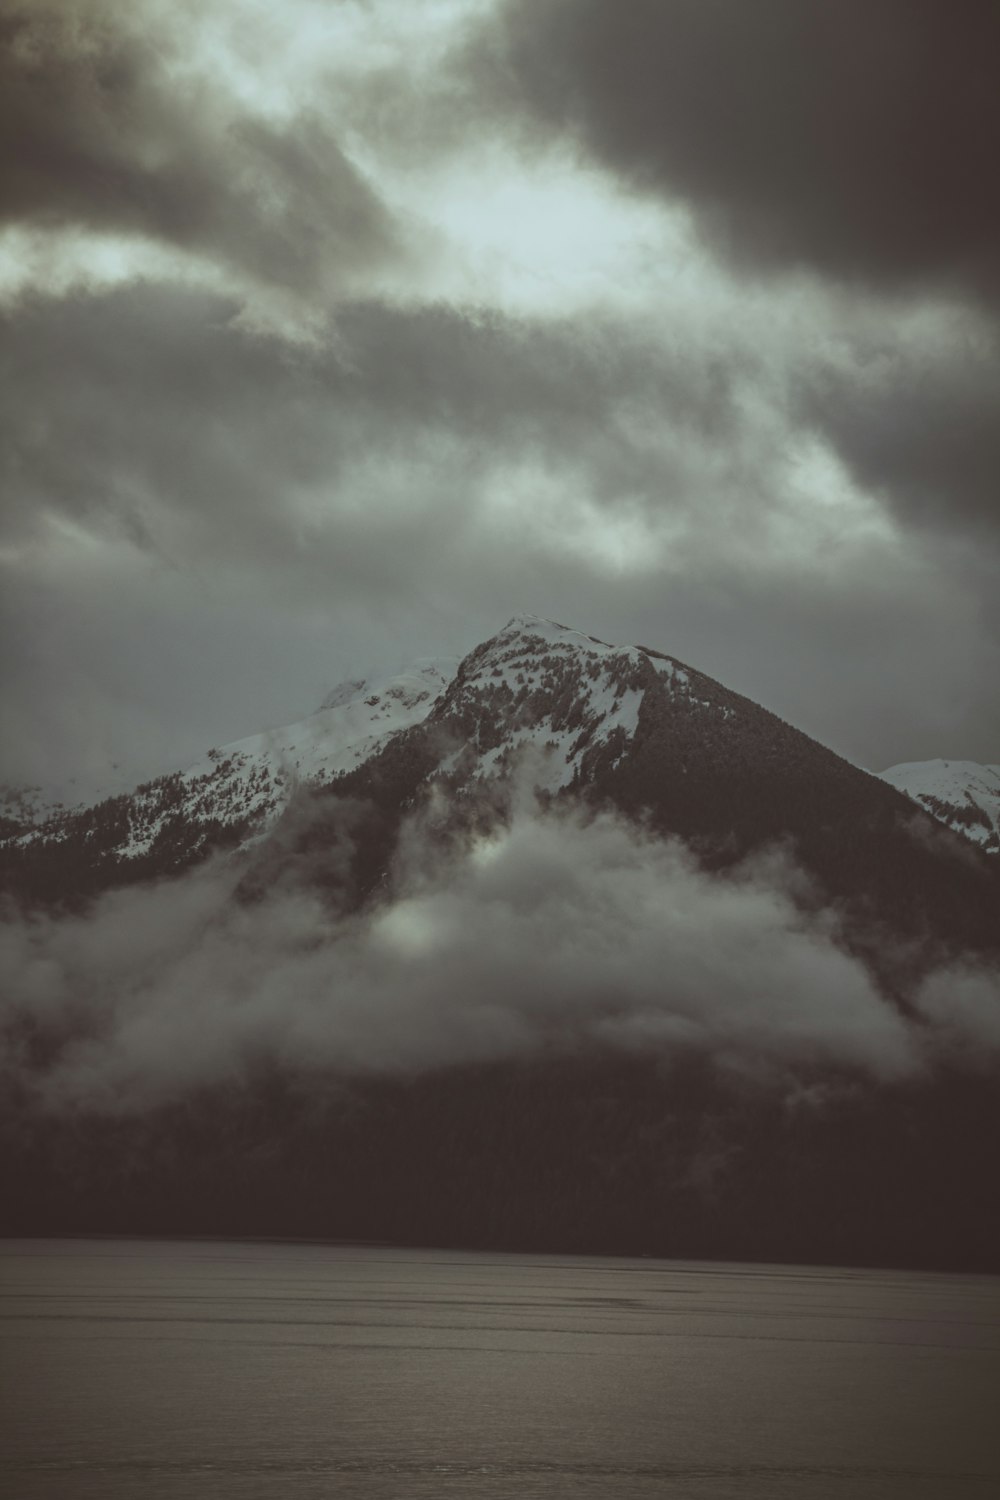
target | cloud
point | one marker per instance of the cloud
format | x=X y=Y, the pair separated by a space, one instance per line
x=855 y=139
x=962 y=1003
x=916 y=423
x=162 y=418
x=548 y=934
x=111 y=131
x=927 y=832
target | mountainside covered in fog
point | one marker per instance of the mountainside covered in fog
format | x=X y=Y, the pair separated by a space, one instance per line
x=564 y=945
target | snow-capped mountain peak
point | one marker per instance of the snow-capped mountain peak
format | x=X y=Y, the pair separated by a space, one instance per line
x=570 y=700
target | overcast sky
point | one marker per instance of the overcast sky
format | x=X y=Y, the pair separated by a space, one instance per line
x=336 y=332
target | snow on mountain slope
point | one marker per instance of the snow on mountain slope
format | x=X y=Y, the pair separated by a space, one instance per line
x=243 y=786
x=961 y=793
x=541 y=689
x=352 y=721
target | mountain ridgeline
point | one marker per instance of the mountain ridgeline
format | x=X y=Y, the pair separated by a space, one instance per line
x=586 y=1145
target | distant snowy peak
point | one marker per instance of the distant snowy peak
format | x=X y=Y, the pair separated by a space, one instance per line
x=960 y=793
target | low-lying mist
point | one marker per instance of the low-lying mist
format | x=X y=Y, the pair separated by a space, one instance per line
x=554 y=931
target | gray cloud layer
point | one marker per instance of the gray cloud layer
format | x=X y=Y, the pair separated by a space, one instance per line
x=150 y=412
x=550 y=934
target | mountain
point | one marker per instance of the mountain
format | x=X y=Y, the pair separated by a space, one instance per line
x=573 y=717
x=962 y=794
x=765 y=916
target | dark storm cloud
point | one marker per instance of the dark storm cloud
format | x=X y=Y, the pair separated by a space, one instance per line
x=921 y=427
x=102 y=130
x=859 y=138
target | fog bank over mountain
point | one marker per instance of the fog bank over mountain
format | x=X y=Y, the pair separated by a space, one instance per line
x=547 y=934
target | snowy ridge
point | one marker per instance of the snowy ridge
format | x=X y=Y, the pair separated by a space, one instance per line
x=960 y=793
x=353 y=720
x=245 y=785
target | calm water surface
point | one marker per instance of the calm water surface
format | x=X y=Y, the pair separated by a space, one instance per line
x=245 y=1370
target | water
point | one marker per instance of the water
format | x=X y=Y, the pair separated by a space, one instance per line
x=245 y=1370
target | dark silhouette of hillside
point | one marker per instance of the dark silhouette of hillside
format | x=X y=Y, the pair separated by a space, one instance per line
x=615 y=1154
